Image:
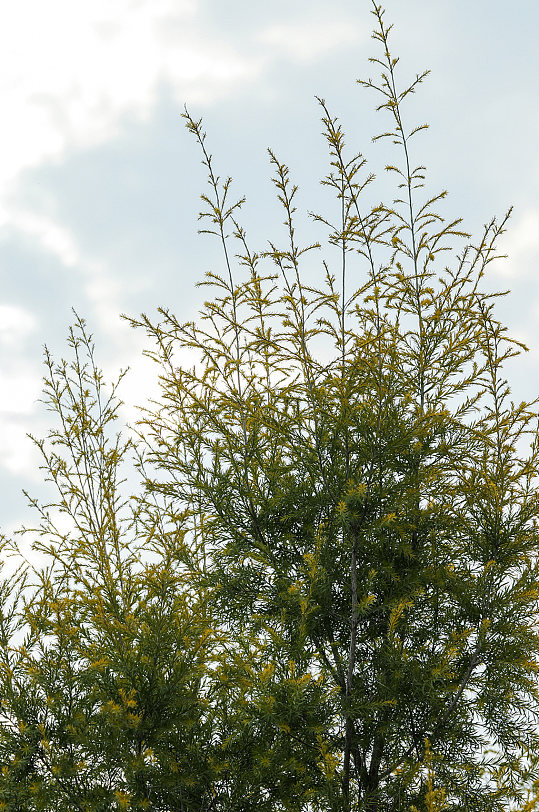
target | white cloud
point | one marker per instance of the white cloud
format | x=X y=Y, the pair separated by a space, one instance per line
x=19 y=391
x=16 y=323
x=20 y=387
x=69 y=72
x=45 y=230
x=18 y=454
x=98 y=282
x=308 y=39
x=521 y=244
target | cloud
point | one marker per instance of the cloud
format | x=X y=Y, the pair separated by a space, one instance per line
x=19 y=382
x=306 y=40
x=17 y=452
x=97 y=281
x=20 y=387
x=49 y=234
x=16 y=323
x=521 y=244
x=70 y=72
x=19 y=391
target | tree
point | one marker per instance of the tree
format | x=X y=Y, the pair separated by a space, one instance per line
x=115 y=690
x=103 y=646
x=369 y=522
x=323 y=594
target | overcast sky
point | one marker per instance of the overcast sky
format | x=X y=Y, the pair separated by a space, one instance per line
x=99 y=181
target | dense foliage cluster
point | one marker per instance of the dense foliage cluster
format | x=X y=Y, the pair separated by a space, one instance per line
x=324 y=594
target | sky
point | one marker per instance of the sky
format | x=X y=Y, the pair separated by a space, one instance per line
x=100 y=182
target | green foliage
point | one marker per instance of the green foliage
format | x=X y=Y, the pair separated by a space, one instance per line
x=103 y=708
x=324 y=594
x=117 y=691
x=366 y=515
